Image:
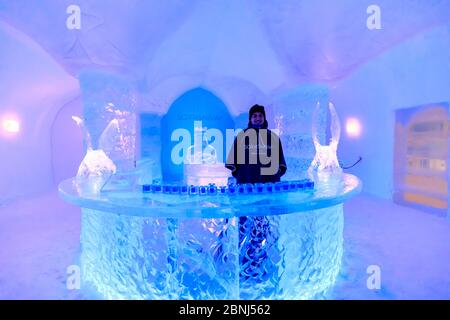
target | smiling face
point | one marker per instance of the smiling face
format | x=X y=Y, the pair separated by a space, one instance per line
x=257 y=119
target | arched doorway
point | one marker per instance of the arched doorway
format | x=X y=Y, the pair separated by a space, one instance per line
x=195 y=105
x=67 y=150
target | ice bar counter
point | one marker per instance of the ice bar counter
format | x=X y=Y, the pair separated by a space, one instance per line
x=282 y=241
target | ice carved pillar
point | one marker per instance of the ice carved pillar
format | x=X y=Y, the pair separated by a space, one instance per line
x=292 y=114
x=110 y=116
x=325 y=159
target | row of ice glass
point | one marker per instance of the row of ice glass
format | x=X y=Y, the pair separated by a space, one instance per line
x=231 y=189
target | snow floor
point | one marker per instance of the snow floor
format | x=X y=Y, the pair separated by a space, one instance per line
x=39 y=239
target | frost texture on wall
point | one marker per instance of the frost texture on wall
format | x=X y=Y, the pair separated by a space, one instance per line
x=294 y=256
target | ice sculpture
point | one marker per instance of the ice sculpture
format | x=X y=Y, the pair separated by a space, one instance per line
x=109 y=101
x=325 y=159
x=201 y=166
x=95 y=163
x=201 y=152
x=118 y=138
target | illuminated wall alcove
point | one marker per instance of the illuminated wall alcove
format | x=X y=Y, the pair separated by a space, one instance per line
x=196 y=105
x=421 y=156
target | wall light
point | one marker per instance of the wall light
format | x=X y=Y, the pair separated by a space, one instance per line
x=11 y=125
x=353 y=127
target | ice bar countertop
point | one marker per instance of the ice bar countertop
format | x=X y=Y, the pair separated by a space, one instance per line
x=128 y=199
x=138 y=245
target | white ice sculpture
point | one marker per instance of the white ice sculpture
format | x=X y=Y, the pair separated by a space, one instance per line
x=96 y=163
x=201 y=152
x=325 y=159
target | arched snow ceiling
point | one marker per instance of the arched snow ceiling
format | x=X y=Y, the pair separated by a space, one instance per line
x=296 y=39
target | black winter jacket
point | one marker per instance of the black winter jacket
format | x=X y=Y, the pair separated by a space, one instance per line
x=248 y=172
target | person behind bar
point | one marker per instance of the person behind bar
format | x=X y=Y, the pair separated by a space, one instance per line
x=257 y=157
x=257 y=154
